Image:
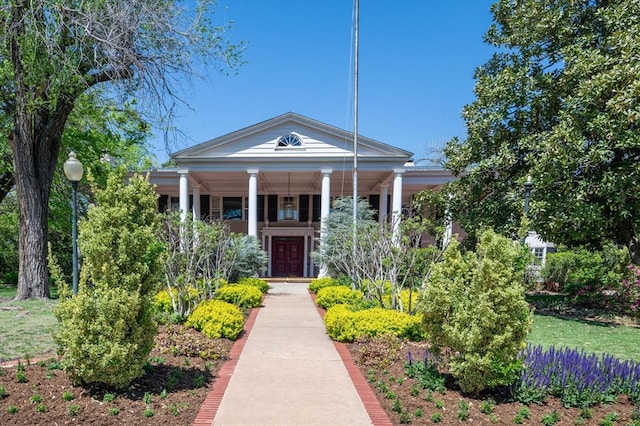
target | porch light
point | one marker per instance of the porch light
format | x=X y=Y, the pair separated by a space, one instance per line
x=287 y=202
x=287 y=206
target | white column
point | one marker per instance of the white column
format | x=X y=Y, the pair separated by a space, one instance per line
x=325 y=208
x=253 y=203
x=184 y=194
x=383 y=204
x=196 y=202
x=396 y=213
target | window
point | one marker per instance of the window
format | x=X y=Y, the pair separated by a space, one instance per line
x=289 y=141
x=317 y=208
x=538 y=254
x=205 y=211
x=232 y=208
x=163 y=203
x=260 y=208
x=304 y=208
x=272 y=208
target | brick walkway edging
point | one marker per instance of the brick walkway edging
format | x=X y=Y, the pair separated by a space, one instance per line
x=210 y=405
x=371 y=404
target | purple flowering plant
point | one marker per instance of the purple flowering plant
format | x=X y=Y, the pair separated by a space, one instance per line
x=579 y=379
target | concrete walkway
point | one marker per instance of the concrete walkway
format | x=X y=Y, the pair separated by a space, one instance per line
x=289 y=372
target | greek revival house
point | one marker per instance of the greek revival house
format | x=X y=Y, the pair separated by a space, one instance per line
x=276 y=180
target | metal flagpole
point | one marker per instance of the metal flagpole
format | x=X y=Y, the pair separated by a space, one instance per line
x=355 y=135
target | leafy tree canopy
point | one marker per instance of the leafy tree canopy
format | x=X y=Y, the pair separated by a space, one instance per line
x=560 y=100
x=54 y=51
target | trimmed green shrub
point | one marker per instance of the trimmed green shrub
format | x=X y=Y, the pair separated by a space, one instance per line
x=335 y=295
x=244 y=296
x=587 y=276
x=217 y=318
x=106 y=331
x=256 y=282
x=319 y=283
x=345 y=325
x=474 y=304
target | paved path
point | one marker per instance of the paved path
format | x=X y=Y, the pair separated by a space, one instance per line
x=289 y=372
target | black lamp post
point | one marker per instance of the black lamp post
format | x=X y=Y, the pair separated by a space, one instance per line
x=73 y=170
x=528 y=186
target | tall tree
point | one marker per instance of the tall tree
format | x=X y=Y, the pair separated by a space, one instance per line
x=52 y=51
x=560 y=100
x=97 y=127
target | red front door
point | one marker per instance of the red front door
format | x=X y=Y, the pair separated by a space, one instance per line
x=287 y=257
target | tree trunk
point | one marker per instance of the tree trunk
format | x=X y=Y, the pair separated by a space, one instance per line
x=33 y=277
x=630 y=240
x=35 y=155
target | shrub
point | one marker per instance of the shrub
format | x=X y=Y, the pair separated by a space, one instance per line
x=345 y=325
x=163 y=301
x=250 y=260
x=244 y=296
x=335 y=295
x=474 y=305
x=106 y=331
x=409 y=299
x=587 y=275
x=626 y=298
x=262 y=285
x=319 y=283
x=217 y=318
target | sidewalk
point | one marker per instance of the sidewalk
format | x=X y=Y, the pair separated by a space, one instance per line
x=289 y=371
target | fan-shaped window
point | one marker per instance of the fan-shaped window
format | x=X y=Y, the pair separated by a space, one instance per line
x=289 y=141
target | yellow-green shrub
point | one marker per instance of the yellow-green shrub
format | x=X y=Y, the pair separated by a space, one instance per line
x=405 y=295
x=216 y=318
x=244 y=296
x=335 y=295
x=256 y=282
x=345 y=325
x=319 y=283
x=474 y=304
x=162 y=300
x=106 y=331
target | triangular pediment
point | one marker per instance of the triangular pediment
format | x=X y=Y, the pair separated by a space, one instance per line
x=316 y=140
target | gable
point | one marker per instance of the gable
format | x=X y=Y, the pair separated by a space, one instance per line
x=317 y=139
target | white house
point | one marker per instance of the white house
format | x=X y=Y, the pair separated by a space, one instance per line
x=275 y=180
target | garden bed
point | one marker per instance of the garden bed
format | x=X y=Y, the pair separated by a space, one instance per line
x=405 y=401
x=176 y=383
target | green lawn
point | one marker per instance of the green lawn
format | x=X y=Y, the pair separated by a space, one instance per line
x=25 y=326
x=618 y=340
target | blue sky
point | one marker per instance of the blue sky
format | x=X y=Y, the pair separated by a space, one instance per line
x=417 y=60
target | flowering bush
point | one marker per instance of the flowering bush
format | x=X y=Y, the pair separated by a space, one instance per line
x=345 y=325
x=216 y=318
x=319 y=283
x=335 y=295
x=577 y=378
x=256 y=282
x=244 y=296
